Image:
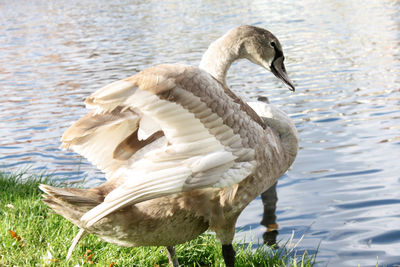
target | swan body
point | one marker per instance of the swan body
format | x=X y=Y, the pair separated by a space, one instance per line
x=181 y=152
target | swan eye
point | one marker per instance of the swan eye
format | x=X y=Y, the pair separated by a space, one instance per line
x=272 y=44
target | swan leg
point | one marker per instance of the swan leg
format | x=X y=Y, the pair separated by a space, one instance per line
x=229 y=255
x=171 y=256
x=269 y=199
x=75 y=242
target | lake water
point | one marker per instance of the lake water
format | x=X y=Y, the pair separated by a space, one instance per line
x=342 y=193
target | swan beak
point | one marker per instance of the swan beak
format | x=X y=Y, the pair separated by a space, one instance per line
x=278 y=69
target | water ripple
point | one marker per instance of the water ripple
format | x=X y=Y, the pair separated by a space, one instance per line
x=368 y=204
x=385 y=238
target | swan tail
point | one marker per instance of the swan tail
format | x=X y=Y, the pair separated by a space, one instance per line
x=71 y=203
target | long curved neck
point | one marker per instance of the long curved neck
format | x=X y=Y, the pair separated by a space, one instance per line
x=220 y=55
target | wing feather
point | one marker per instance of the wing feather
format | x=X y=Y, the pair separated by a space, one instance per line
x=197 y=150
x=96 y=136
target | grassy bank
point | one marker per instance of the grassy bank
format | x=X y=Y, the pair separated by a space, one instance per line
x=32 y=235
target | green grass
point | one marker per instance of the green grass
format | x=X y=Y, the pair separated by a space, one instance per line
x=32 y=235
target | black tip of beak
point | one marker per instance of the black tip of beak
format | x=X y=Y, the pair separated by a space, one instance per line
x=279 y=70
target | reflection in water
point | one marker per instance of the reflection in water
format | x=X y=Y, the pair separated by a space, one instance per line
x=269 y=199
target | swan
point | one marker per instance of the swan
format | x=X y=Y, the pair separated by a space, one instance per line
x=181 y=152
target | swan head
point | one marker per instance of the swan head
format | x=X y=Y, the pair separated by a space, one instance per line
x=263 y=48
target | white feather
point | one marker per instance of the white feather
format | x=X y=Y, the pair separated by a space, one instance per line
x=147 y=127
x=190 y=151
x=212 y=160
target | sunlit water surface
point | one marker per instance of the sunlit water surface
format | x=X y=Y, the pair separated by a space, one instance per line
x=343 y=191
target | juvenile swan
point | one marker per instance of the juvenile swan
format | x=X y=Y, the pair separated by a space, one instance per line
x=180 y=151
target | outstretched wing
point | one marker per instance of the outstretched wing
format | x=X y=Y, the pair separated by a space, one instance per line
x=95 y=136
x=165 y=130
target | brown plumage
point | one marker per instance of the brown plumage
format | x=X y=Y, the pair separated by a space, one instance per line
x=181 y=152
